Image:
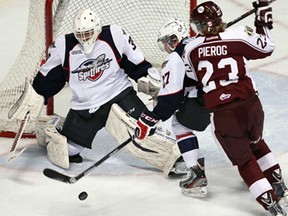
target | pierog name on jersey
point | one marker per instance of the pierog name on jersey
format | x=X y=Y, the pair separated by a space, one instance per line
x=212 y=51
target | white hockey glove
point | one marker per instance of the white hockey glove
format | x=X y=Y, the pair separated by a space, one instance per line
x=263 y=14
x=146 y=125
x=28 y=101
x=150 y=84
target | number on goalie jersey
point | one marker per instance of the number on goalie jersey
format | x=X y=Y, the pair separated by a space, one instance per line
x=217 y=58
x=97 y=62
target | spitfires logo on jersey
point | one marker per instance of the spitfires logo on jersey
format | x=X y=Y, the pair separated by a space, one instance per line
x=92 y=69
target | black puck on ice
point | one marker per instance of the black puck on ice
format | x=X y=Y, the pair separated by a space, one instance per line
x=83 y=195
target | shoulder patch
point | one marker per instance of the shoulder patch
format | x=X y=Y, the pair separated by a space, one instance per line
x=248 y=30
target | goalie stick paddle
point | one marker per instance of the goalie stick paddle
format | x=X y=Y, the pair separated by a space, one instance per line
x=245 y=15
x=12 y=155
x=50 y=173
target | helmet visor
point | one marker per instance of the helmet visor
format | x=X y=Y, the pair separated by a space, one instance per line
x=84 y=35
x=167 y=40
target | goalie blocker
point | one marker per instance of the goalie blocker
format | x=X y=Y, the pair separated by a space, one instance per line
x=29 y=101
x=158 y=150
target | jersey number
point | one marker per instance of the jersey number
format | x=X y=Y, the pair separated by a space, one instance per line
x=165 y=79
x=130 y=41
x=211 y=85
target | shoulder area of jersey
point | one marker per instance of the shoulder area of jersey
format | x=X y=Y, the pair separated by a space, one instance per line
x=187 y=40
x=59 y=41
x=241 y=29
x=117 y=29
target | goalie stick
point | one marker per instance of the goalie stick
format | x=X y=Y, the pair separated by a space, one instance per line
x=12 y=154
x=50 y=173
x=245 y=15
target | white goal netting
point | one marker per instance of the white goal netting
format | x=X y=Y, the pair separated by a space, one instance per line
x=140 y=18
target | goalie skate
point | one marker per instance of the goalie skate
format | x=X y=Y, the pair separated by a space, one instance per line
x=179 y=168
x=195 y=182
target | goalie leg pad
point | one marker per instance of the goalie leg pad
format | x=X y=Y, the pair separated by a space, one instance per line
x=44 y=122
x=57 y=149
x=159 y=150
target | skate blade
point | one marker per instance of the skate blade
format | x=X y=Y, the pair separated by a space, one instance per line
x=195 y=192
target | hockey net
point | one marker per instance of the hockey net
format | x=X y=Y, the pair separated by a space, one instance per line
x=51 y=18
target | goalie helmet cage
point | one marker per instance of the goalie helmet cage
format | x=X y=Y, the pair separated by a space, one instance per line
x=48 y=19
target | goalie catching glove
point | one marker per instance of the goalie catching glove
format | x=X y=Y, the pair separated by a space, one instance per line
x=150 y=84
x=263 y=14
x=146 y=125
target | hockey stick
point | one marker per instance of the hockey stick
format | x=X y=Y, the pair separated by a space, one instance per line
x=244 y=15
x=12 y=155
x=50 y=173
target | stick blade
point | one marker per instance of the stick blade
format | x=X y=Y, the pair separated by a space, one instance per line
x=12 y=156
x=58 y=176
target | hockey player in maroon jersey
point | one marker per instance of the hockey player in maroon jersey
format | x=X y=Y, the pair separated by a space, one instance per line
x=217 y=57
x=97 y=62
x=190 y=114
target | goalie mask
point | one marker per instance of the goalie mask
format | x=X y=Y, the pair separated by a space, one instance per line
x=205 y=17
x=87 y=27
x=171 y=32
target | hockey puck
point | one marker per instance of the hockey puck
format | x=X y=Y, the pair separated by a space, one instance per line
x=83 y=195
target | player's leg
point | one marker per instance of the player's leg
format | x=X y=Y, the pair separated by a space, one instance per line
x=271 y=170
x=175 y=164
x=231 y=126
x=265 y=158
x=158 y=150
x=195 y=182
x=64 y=145
x=193 y=114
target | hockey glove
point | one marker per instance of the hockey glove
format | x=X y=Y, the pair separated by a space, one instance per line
x=146 y=125
x=150 y=84
x=263 y=14
x=30 y=101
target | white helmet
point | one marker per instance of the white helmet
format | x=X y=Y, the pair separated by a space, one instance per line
x=174 y=29
x=87 y=27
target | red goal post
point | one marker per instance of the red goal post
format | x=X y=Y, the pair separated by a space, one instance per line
x=51 y=18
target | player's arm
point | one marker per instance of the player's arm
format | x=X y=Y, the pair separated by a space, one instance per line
x=46 y=83
x=52 y=77
x=252 y=45
x=171 y=94
x=136 y=66
x=263 y=16
x=170 y=97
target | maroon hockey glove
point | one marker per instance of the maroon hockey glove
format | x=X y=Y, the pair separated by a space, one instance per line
x=263 y=14
x=146 y=125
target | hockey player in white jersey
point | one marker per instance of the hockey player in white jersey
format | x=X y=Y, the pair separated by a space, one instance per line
x=97 y=62
x=178 y=98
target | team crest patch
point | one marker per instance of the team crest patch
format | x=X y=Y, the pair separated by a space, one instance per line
x=92 y=69
x=249 y=30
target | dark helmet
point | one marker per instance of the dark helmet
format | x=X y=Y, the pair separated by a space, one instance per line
x=206 y=15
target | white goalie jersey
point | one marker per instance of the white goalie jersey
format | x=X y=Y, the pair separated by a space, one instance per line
x=96 y=78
